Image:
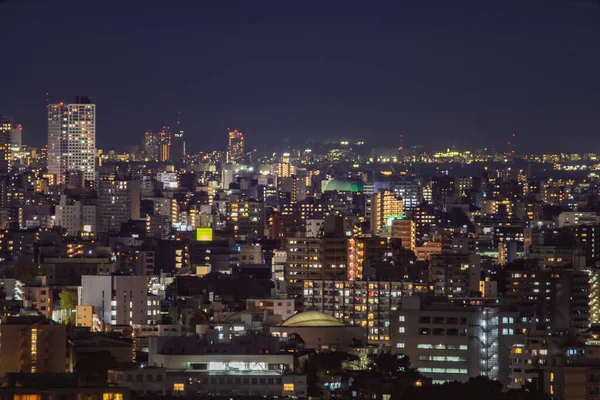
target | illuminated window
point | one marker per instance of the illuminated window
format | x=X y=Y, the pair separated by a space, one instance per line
x=288 y=387
x=112 y=396
x=26 y=397
x=177 y=387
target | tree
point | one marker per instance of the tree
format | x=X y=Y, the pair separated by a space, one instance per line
x=23 y=271
x=68 y=302
x=92 y=368
x=194 y=320
x=389 y=364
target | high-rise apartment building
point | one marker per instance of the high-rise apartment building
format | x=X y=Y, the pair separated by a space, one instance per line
x=72 y=139
x=158 y=145
x=285 y=168
x=235 y=146
x=118 y=201
x=151 y=145
x=5 y=144
x=384 y=206
x=314 y=258
x=178 y=146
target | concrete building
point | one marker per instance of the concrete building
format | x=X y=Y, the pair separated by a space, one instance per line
x=406 y=230
x=563 y=297
x=246 y=218
x=72 y=139
x=118 y=202
x=318 y=331
x=6 y=129
x=120 y=300
x=32 y=345
x=455 y=275
x=574 y=218
x=235 y=146
x=67 y=271
x=249 y=365
x=281 y=307
x=457 y=340
x=314 y=258
x=75 y=217
x=366 y=304
x=152 y=381
x=384 y=205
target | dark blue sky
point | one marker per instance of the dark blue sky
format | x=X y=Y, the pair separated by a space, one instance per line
x=441 y=72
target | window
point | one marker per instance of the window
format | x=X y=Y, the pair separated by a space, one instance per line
x=26 y=397
x=288 y=387
x=401 y=318
x=109 y=396
x=177 y=387
x=401 y=329
x=399 y=345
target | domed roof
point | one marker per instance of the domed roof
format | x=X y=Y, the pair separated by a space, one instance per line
x=344 y=185
x=312 y=318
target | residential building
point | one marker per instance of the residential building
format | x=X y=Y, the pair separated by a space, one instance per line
x=120 y=299
x=32 y=345
x=72 y=140
x=118 y=202
x=384 y=206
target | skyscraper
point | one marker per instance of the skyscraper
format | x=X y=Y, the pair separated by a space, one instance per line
x=235 y=147
x=72 y=139
x=151 y=145
x=5 y=141
x=178 y=146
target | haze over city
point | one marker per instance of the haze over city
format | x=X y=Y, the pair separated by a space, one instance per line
x=465 y=73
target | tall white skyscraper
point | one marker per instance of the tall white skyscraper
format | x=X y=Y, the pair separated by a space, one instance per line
x=72 y=140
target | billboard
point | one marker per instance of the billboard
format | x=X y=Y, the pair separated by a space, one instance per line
x=204 y=234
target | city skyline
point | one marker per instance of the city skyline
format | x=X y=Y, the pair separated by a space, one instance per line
x=469 y=75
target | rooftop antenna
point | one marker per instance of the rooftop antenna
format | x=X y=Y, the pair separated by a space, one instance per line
x=511 y=145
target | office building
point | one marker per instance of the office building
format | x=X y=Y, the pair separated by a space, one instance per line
x=456 y=340
x=248 y=366
x=72 y=140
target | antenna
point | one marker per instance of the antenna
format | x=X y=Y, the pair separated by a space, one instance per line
x=511 y=145
x=47 y=99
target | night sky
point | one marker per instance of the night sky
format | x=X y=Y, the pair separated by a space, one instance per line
x=464 y=73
